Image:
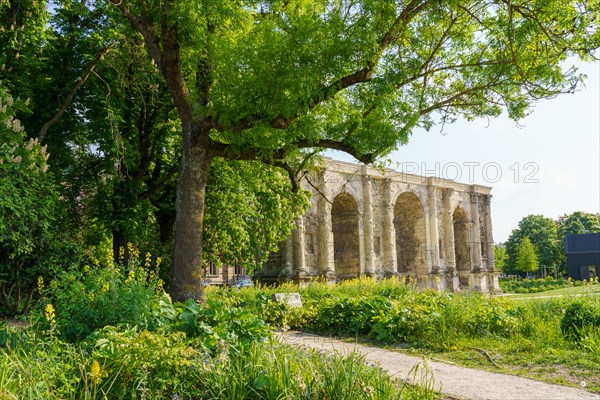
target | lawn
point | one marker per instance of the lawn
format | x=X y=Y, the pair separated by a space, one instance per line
x=562 y=292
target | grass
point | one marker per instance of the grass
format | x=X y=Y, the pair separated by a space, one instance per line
x=191 y=354
x=269 y=370
x=568 y=367
x=562 y=292
x=520 y=333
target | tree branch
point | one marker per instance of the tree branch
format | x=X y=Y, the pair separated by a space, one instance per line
x=158 y=186
x=167 y=58
x=361 y=75
x=69 y=99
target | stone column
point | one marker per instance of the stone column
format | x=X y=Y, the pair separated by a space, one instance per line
x=475 y=232
x=489 y=238
x=433 y=235
x=479 y=276
x=300 y=272
x=288 y=258
x=390 y=265
x=326 y=262
x=451 y=276
x=367 y=223
x=493 y=284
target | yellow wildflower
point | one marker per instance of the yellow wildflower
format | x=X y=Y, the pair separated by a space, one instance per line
x=96 y=372
x=49 y=313
x=159 y=285
x=130 y=277
x=148 y=260
x=105 y=287
x=109 y=259
x=158 y=261
x=40 y=284
x=121 y=254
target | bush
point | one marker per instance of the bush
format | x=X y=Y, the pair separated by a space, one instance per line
x=215 y=325
x=579 y=316
x=533 y=285
x=349 y=315
x=143 y=364
x=92 y=298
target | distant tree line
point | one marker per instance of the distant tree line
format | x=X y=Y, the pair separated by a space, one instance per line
x=539 y=242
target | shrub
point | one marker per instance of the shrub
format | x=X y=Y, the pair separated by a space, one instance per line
x=579 y=316
x=98 y=296
x=134 y=363
x=533 y=285
x=349 y=315
x=215 y=325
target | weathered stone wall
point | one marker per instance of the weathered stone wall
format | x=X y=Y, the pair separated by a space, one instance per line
x=363 y=221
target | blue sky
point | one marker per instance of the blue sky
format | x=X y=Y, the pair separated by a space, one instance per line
x=548 y=163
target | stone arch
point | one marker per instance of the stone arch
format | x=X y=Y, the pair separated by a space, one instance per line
x=462 y=250
x=344 y=223
x=411 y=241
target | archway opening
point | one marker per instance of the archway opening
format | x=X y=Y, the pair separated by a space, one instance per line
x=462 y=249
x=344 y=223
x=411 y=242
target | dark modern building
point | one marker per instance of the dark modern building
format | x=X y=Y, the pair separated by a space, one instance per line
x=583 y=255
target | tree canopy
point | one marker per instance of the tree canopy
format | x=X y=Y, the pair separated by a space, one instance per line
x=527 y=260
x=268 y=81
x=543 y=233
x=263 y=80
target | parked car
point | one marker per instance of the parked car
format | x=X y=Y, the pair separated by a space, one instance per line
x=242 y=283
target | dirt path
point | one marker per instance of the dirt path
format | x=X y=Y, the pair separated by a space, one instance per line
x=454 y=381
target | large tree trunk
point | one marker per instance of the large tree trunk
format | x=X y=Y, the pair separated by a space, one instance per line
x=191 y=188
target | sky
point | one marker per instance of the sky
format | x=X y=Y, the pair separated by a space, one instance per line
x=548 y=163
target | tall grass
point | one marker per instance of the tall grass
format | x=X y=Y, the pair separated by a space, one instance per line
x=143 y=370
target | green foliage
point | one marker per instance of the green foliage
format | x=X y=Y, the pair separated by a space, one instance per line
x=389 y=311
x=274 y=371
x=31 y=241
x=217 y=325
x=263 y=80
x=500 y=257
x=250 y=208
x=578 y=222
x=527 y=260
x=141 y=364
x=349 y=316
x=542 y=233
x=89 y=299
x=134 y=364
x=531 y=285
x=580 y=317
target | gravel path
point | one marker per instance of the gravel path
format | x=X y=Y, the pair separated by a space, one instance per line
x=454 y=381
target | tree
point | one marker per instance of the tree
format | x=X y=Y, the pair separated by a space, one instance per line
x=263 y=80
x=31 y=242
x=543 y=233
x=500 y=257
x=578 y=222
x=527 y=260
